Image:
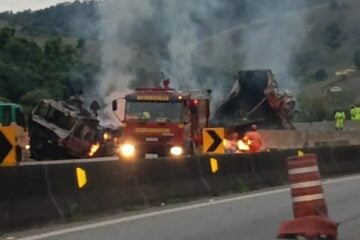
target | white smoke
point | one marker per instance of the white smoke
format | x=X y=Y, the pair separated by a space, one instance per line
x=268 y=43
x=118 y=17
x=271 y=44
x=184 y=37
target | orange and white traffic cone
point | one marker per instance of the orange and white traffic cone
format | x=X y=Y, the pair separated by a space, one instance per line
x=309 y=206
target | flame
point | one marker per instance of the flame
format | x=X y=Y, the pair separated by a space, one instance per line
x=106 y=136
x=226 y=143
x=230 y=146
x=244 y=145
x=93 y=149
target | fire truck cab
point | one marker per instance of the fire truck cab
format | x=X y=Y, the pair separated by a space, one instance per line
x=161 y=122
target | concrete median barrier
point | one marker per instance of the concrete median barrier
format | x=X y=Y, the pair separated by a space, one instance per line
x=169 y=179
x=41 y=193
x=24 y=198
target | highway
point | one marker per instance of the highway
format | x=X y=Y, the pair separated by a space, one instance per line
x=253 y=216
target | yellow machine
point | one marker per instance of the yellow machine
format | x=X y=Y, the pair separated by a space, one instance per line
x=14 y=131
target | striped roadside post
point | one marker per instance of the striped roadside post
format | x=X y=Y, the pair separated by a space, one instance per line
x=306 y=187
x=309 y=206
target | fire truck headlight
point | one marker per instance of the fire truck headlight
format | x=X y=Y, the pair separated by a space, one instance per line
x=176 y=151
x=127 y=150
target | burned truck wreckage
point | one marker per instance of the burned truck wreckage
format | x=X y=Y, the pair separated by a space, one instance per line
x=63 y=130
x=255 y=98
x=66 y=130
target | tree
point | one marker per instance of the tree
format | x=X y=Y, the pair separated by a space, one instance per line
x=30 y=99
x=333 y=36
x=356 y=58
x=53 y=48
x=320 y=74
x=4 y=99
x=29 y=72
x=81 y=42
x=5 y=35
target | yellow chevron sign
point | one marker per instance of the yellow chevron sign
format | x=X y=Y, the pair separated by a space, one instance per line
x=7 y=146
x=213 y=140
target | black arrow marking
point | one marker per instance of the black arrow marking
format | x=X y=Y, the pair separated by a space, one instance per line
x=216 y=140
x=5 y=147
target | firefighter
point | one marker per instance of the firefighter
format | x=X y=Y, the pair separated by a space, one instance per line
x=353 y=111
x=145 y=115
x=339 y=119
x=357 y=113
x=253 y=139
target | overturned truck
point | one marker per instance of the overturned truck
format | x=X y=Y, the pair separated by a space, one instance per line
x=255 y=98
x=62 y=130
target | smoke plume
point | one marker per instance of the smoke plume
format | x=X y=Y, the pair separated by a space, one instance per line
x=198 y=44
x=118 y=18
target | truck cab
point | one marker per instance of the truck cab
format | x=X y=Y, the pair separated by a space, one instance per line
x=160 y=122
x=61 y=130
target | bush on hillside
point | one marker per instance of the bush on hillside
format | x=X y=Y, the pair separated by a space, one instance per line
x=320 y=75
x=333 y=36
x=26 y=68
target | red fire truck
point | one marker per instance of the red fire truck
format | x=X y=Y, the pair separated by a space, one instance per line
x=161 y=121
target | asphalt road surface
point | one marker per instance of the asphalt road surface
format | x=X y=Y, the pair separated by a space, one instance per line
x=253 y=216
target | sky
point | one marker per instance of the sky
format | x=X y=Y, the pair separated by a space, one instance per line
x=19 y=5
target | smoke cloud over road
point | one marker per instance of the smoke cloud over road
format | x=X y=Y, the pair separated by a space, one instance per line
x=198 y=44
x=118 y=18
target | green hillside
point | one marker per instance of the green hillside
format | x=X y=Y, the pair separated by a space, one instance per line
x=331 y=37
x=30 y=71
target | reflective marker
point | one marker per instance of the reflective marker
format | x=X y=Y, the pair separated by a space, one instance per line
x=214 y=165
x=300 y=153
x=81 y=177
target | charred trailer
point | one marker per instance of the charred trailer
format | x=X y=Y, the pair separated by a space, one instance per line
x=62 y=130
x=255 y=98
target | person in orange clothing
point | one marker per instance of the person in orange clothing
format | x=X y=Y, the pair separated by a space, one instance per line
x=253 y=139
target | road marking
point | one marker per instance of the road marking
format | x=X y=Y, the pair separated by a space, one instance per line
x=167 y=211
x=146 y=215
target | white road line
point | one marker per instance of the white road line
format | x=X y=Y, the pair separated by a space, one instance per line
x=168 y=211
x=146 y=215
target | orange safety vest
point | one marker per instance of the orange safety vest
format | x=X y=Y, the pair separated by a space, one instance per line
x=254 y=140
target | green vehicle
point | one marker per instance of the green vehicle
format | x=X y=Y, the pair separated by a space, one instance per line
x=12 y=115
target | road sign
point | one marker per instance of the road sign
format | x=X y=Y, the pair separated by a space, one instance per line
x=7 y=146
x=213 y=140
